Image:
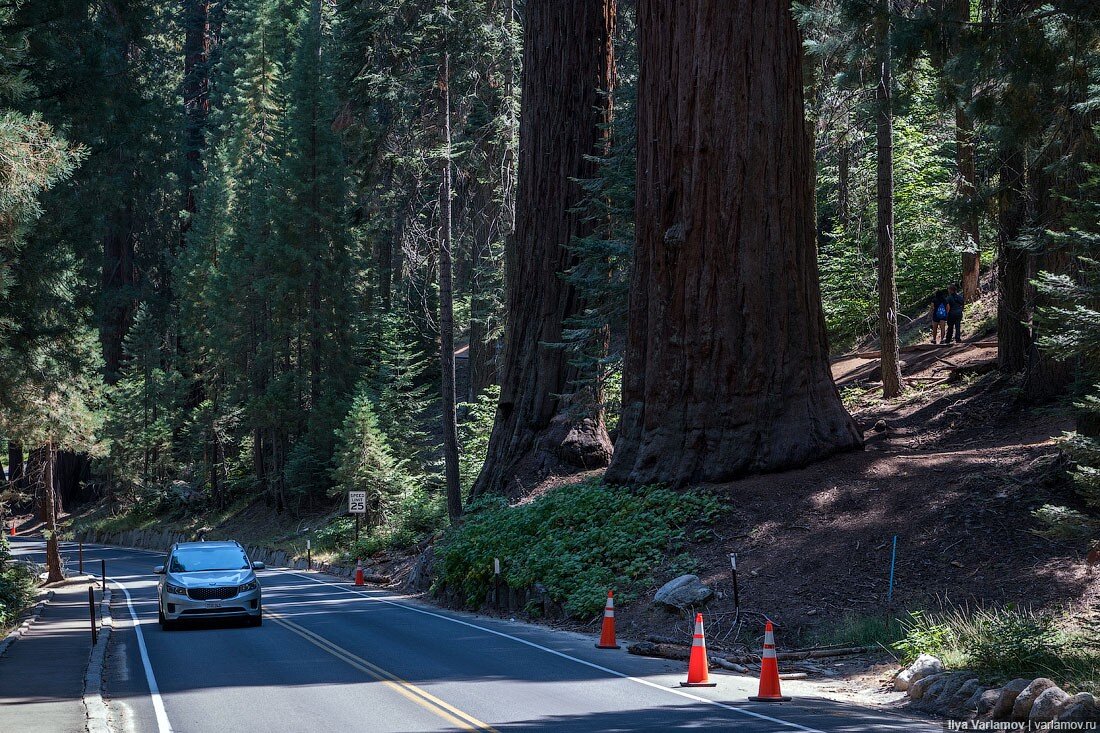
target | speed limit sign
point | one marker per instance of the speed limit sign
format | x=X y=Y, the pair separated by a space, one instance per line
x=357 y=502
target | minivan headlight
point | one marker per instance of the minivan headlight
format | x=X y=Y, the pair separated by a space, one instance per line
x=177 y=590
x=252 y=585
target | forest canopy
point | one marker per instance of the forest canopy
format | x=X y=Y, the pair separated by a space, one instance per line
x=276 y=250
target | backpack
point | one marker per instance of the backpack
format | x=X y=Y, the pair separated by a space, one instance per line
x=941 y=311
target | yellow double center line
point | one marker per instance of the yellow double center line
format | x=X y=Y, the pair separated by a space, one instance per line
x=421 y=697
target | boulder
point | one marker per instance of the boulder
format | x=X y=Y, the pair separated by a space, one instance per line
x=924 y=665
x=1002 y=710
x=932 y=692
x=1081 y=708
x=683 y=592
x=965 y=698
x=951 y=685
x=986 y=700
x=1047 y=705
x=1021 y=709
x=917 y=690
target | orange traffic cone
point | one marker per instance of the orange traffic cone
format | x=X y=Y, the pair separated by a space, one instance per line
x=607 y=635
x=13 y=529
x=698 y=664
x=359 y=572
x=769 y=670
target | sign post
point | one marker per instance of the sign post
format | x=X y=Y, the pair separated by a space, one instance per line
x=736 y=593
x=357 y=505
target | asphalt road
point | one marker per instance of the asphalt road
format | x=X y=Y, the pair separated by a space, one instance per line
x=331 y=657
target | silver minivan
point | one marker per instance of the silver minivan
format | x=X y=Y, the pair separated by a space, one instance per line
x=208 y=580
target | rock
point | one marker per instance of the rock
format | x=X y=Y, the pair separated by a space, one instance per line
x=1047 y=705
x=952 y=683
x=683 y=592
x=1021 y=709
x=961 y=699
x=917 y=690
x=987 y=700
x=924 y=665
x=423 y=570
x=1081 y=708
x=1002 y=709
x=880 y=426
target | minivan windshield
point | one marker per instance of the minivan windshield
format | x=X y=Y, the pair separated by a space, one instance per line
x=197 y=559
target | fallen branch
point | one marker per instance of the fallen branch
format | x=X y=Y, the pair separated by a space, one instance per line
x=819 y=653
x=664 y=651
x=727 y=664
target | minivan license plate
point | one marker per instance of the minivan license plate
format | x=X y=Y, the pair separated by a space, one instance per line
x=213 y=604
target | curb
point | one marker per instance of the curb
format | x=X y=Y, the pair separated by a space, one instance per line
x=22 y=628
x=94 y=705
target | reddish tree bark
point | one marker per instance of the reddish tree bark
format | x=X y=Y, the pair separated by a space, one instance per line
x=967 y=180
x=890 y=360
x=567 y=68
x=726 y=368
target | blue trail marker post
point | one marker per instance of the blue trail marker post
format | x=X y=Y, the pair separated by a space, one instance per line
x=893 y=560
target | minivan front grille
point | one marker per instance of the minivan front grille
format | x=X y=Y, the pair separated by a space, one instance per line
x=212 y=594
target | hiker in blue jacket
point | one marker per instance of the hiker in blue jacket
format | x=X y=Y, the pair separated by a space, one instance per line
x=939 y=316
x=955 y=304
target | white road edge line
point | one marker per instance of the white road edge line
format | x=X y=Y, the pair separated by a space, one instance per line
x=154 y=691
x=563 y=655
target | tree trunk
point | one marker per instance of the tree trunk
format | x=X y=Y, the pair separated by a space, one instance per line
x=567 y=70
x=843 y=196
x=890 y=362
x=16 y=468
x=726 y=369
x=446 y=308
x=49 y=514
x=196 y=101
x=119 y=286
x=1013 y=265
x=967 y=183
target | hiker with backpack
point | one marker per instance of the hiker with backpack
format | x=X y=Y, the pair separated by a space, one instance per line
x=939 y=316
x=955 y=304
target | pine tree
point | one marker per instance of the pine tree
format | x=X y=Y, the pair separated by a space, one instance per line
x=365 y=462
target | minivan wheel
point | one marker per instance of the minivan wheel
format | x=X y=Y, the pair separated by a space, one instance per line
x=165 y=624
x=256 y=620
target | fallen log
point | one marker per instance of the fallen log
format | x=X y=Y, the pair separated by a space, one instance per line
x=664 y=651
x=727 y=664
x=819 y=653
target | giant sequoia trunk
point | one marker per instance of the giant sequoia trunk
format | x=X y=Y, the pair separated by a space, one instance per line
x=726 y=369
x=567 y=65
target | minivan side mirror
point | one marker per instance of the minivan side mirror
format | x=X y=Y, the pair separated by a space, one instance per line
x=258 y=566
x=158 y=570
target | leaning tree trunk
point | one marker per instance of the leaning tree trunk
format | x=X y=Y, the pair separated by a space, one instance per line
x=567 y=70
x=727 y=361
x=890 y=359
